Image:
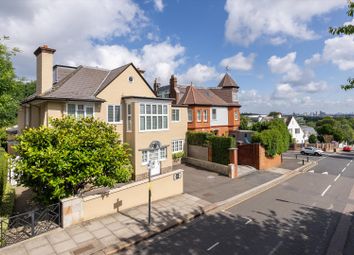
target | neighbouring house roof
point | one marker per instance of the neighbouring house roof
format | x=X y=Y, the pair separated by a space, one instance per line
x=227 y=82
x=309 y=130
x=287 y=120
x=83 y=84
x=199 y=96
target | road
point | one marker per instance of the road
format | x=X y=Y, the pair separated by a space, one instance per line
x=299 y=216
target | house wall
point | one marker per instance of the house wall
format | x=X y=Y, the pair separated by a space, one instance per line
x=299 y=138
x=119 y=88
x=221 y=117
x=202 y=125
x=233 y=123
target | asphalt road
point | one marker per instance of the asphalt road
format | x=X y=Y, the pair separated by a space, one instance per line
x=299 y=216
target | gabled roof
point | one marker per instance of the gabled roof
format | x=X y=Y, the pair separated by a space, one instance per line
x=199 y=96
x=84 y=83
x=227 y=82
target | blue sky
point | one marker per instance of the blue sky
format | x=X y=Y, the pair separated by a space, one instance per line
x=279 y=52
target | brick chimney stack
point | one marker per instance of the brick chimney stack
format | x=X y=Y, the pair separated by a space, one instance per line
x=156 y=87
x=44 y=56
x=173 y=89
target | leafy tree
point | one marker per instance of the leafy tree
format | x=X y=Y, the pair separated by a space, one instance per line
x=274 y=114
x=273 y=136
x=62 y=160
x=244 y=123
x=346 y=30
x=12 y=89
x=312 y=138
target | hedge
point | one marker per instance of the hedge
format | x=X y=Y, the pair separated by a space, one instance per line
x=220 y=148
x=6 y=207
x=3 y=171
x=199 y=138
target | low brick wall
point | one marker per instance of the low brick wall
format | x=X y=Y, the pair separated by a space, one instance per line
x=78 y=209
x=198 y=152
x=329 y=147
x=254 y=155
x=211 y=166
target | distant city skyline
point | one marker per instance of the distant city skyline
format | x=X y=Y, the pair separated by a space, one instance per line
x=286 y=62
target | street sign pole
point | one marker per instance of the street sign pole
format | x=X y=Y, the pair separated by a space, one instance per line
x=149 y=203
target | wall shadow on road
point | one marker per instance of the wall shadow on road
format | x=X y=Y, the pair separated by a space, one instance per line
x=307 y=231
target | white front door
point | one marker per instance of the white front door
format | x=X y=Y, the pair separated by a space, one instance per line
x=155 y=167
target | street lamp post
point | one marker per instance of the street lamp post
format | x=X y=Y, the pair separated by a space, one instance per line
x=150 y=166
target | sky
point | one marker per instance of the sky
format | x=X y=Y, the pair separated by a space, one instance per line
x=279 y=52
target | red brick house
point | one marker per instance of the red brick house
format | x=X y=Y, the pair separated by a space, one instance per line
x=215 y=109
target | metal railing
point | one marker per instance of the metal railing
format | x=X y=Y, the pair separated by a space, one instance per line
x=29 y=224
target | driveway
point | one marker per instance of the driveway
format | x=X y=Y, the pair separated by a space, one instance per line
x=213 y=187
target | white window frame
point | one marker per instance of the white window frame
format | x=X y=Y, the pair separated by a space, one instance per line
x=85 y=104
x=114 y=114
x=161 y=113
x=297 y=129
x=199 y=115
x=190 y=114
x=129 y=118
x=236 y=117
x=205 y=115
x=148 y=155
x=160 y=152
x=173 y=115
x=212 y=114
x=177 y=145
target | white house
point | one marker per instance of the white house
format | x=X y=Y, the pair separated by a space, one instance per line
x=295 y=130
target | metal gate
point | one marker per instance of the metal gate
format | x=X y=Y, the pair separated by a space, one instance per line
x=26 y=225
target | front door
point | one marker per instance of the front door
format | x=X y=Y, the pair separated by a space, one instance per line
x=155 y=166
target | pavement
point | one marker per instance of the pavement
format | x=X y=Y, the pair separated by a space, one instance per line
x=204 y=192
x=310 y=213
x=109 y=234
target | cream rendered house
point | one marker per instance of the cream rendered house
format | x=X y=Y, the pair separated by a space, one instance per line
x=121 y=97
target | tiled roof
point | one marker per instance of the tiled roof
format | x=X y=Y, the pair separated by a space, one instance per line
x=200 y=96
x=227 y=82
x=84 y=83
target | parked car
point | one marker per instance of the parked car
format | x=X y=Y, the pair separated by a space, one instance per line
x=347 y=148
x=311 y=151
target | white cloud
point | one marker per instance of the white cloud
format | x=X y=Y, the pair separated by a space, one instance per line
x=198 y=74
x=284 y=91
x=82 y=33
x=277 y=40
x=249 y=20
x=340 y=51
x=239 y=62
x=159 y=6
x=285 y=65
x=314 y=60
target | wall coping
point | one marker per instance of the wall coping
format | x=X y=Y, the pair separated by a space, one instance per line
x=127 y=186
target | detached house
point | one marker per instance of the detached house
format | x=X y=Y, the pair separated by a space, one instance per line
x=209 y=109
x=295 y=130
x=121 y=97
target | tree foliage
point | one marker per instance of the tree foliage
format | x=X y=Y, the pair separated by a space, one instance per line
x=244 y=123
x=312 y=138
x=273 y=136
x=62 y=160
x=347 y=29
x=12 y=89
x=339 y=129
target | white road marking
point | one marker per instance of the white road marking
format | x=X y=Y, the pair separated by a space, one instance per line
x=330 y=207
x=248 y=220
x=344 y=169
x=337 y=177
x=312 y=171
x=213 y=246
x=313 y=204
x=324 y=192
x=325 y=173
x=275 y=248
x=348 y=164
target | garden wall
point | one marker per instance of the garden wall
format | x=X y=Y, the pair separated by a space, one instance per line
x=254 y=155
x=329 y=147
x=198 y=152
x=78 y=209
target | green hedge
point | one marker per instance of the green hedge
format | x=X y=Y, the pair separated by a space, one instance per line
x=199 y=138
x=6 y=207
x=3 y=171
x=220 y=148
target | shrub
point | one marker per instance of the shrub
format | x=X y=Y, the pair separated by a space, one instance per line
x=275 y=139
x=220 y=148
x=199 y=138
x=3 y=171
x=61 y=160
x=312 y=138
x=177 y=155
x=6 y=207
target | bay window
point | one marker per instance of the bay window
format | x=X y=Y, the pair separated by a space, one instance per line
x=80 y=110
x=153 y=117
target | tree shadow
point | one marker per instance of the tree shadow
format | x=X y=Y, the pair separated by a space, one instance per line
x=308 y=230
